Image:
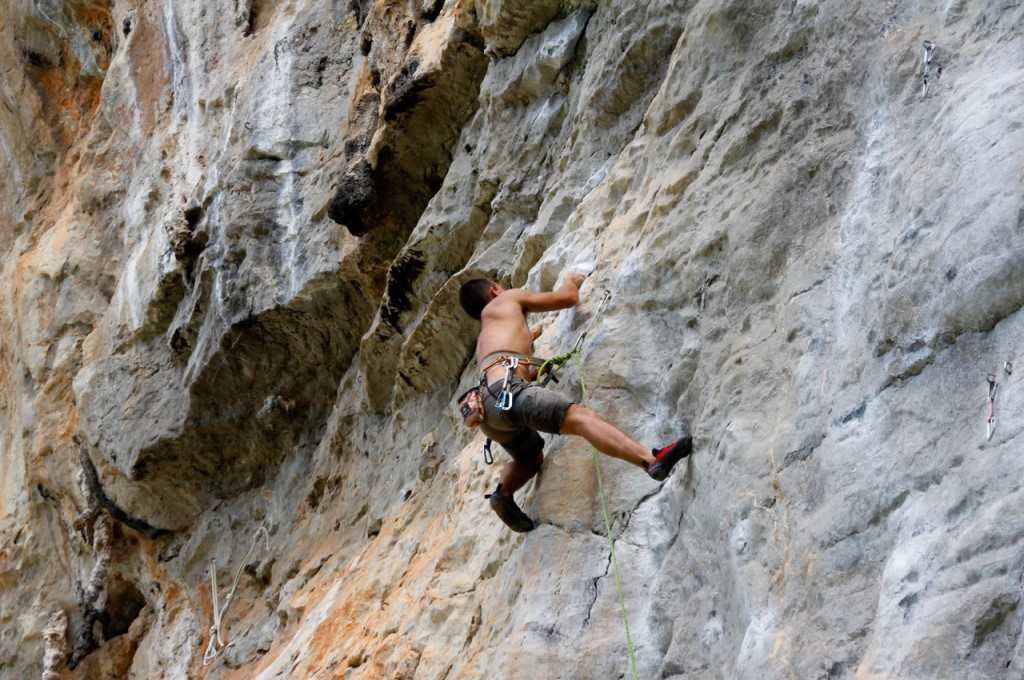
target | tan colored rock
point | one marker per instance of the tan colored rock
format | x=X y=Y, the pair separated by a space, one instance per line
x=810 y=255
x=55 y=637
x=505 y=25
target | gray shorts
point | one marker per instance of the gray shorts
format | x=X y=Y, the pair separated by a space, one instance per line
x=534 y=409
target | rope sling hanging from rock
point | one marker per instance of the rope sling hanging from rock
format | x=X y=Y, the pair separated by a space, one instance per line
x=217 y=643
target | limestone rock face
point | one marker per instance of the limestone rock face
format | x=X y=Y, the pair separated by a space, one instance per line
x=232 y=239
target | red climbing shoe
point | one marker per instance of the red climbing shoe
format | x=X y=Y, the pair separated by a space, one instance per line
x=667 y=456
x=505 y=507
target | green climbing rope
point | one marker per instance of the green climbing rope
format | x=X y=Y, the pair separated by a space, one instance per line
x=549 y=365
x=608 y=528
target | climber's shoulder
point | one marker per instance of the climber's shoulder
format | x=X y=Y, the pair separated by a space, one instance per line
x=508 y=304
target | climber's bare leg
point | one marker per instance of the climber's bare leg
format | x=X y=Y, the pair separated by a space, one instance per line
x=605 y=437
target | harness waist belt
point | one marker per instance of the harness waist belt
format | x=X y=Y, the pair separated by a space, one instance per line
x=495 y=358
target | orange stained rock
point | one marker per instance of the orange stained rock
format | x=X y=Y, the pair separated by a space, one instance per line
x=148 y=69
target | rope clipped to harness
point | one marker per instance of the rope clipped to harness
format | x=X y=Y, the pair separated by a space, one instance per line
x=217 y=643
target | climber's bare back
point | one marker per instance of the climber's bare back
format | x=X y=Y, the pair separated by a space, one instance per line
x=503 y=328
x=503 y=321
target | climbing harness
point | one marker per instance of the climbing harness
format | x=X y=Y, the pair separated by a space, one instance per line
x=217 y=644
x=471 y=400
x=545 y=375
x=510 y=361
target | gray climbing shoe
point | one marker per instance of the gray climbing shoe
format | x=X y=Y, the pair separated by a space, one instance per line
x=505 y=507
x=667 y=456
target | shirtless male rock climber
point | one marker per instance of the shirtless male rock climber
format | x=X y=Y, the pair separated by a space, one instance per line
x=505 y=335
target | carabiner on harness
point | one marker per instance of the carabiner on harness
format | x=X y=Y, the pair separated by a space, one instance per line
x=505 y=398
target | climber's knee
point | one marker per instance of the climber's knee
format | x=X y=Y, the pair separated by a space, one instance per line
x=576 y=419
x=533 y=466
x=528 y=465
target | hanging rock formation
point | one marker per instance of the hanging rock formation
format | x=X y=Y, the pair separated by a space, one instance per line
x=233 y=236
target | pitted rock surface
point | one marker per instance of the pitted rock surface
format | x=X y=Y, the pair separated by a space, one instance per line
x=233 y=239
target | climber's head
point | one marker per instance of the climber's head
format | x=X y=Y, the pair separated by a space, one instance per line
x=474 y=295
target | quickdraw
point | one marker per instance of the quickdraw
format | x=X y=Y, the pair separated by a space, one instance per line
x=547 y=372
x=990 y=422
x=930 y=69
x=993 y=389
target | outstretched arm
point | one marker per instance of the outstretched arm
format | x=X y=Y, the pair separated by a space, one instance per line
x=568 y=295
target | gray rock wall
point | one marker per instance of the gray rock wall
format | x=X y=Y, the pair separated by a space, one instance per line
x=233 y=238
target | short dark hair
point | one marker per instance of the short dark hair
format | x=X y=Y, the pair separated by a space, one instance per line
x=474 y=296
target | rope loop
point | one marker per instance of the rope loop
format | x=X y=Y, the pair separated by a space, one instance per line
x=217 y=643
